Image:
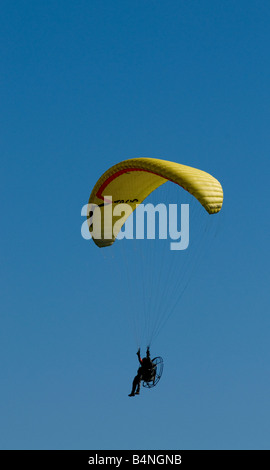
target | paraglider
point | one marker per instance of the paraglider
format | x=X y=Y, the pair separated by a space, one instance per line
x=131 y=181
x=116 y=195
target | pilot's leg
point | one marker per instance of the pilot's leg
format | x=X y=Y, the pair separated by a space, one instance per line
x=139 y=378
x=138 y=387
x=134 y=385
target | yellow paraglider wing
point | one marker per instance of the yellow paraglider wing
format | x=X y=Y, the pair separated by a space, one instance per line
x=131 y=181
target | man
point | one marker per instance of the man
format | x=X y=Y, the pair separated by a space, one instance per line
x=146 y=370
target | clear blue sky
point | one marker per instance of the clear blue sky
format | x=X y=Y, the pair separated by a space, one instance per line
x=84 y=85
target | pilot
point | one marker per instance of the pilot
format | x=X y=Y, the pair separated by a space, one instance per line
x=146 y=368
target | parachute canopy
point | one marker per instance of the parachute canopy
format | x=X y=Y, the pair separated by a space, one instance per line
x=131 y=181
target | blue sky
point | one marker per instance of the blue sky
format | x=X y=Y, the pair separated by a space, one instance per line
x=85 y=85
